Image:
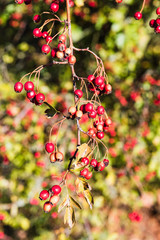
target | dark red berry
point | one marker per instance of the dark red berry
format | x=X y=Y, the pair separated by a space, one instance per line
x=47 y=207
x=49 y=147
x=152 y=23
x=85 y=160
x=89 y=107
x=29 y=86
x=40 y=98
x=91 y=78
x=93 y=162
x=53 y=52
x=45 y=49
x=100 y=135
x=82 y=108
x=78 y=93
x=44 y=194
x=37 y=18
x=37 y=33
x=54 y=7
x=106 y=162
x=100 y=110
x=18 y=87
x=92 y=114
x=27 y=1
x=19 y=1
x=31 y=95
x=138 y=15
x=56 y=189
x=84 y=172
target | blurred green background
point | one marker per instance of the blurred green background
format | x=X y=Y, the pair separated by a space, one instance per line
x=130 y=50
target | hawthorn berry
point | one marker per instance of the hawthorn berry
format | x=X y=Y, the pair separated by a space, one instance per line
x=108 y=122
x=158 y=11
x=52 y=158
x=78 y=93
x=19 y=1
x=45 y=34
x=100 y=110
x=45 y=49
x=54 y=7
x=72 y=110
x=60 y=55
x=106 y=162
x=84 y=172
x=62 y=38
x=92 y=114
x=82 y=108
x=44 y=194
x=37 y=18
x=138 y=15
x=68 y=52
x=72 y=59
x=49 y=147
x=100 y=166
x=78 y=114
x=100 y=135
x=99 y=127
x=89 y=107
x=49 y=40
x=85 y=160
x=108 y=88
x=40 y=98
x=59 y=156
x=89 y=175
x=91 y=78
x=54 y=200
x=56 y=189
x=53 y=52
x=37 y=33
x=47 y=207
x=152 y=23
x=99 y=81
x=61 y=47
x=29 y=86
x=31 y=94
x=158 y=21
x=91 y=131
x=157 y=29
x=93 y=162
x=27 y=1
x=18 y=87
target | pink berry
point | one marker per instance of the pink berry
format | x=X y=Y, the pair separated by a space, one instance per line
x=138 y=15
x=18 y=87
x=49 y=147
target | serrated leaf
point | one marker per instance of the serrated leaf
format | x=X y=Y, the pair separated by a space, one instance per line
x=81 y=185
x=69 y=217
x=83 y=151
x=89 y=198
x=49 y=111
x=63 y=204
x=75 y=203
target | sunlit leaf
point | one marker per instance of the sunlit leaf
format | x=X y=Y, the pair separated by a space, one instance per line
x=89 y=198
x=75 y=203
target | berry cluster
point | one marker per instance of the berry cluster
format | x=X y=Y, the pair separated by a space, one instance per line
x=155 y=23
x=36 y=98
x=54 y=156
x=97 y=85
x=53 y=195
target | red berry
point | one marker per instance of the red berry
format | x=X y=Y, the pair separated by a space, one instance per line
x=89 y=107
x=152 y=23
x=106 y=162
x=49 y=147
x=54 y=7
x=101 y=87
x=72 y=59
x=82 y=108
x=45 y=34
x=138 y=15
x=44 y=194
x=100 y=166
x=40 y=98
x=18 y=87
x=108 y=122
x=92 y=114
x=56 y=189
x=61 y=47
x=37 y=18
x=99 y=81
x=29 y=86
x=93 y=162
x=19 y=1
x=157 y=29
x=108 y=88
x=53 y=52
x=45 y=49
x=62 y=38
x=85 y=160
x=27 y=1
x=100 y=135
x=47 y=207
x=158 y=11
x=49 y=40
x=37 y=33
x=78 y=93
x=158 y=21
x=100 y=110
x=89 y=175
x=91 y=78
x=31 y=95
x=84 y=172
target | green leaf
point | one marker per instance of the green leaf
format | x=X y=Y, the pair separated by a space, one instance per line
x=69 y=217
x=89 y=198
x=75 y=203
